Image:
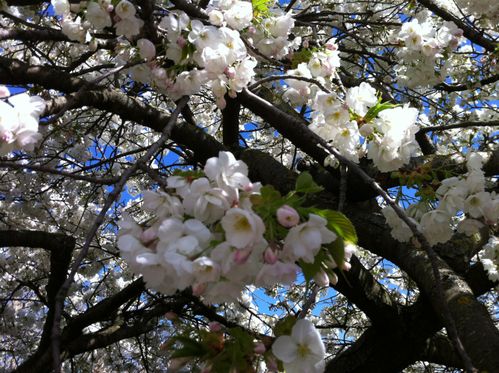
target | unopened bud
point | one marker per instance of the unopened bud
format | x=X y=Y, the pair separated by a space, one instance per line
x=259 y=348
x=215 y=326
x=198 y=289
x=321 y=278
x=241 y=256
x=269 y=256
x=170 y=315
x=287 y=216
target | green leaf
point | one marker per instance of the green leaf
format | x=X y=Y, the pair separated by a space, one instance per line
x=191 y=174
x=310 y=269
x=306 y=184
x=235 y=352
x=303 y=55
x=376 y=109
x=243 y=339
x=339 y=223
x=260 y=7
x=269 y=193
x=284 y=326
x=190 y=348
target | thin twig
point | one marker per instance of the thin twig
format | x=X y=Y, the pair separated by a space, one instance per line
x=281 y=77
x=53 y=171
x=309 y=301
x=61 y=295
x=467 y=124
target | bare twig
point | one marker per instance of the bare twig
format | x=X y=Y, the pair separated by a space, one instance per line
x=467 y=124
x=61 y=295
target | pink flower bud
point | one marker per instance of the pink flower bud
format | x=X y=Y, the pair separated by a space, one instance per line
x=109 y=8
x=269 y=256
x=271 y=363
x=215 y=326
x=4 y=91
x=346 y=266
x=230 y=72
x=241 y=256
x=181 y=42
x=259 y=348
x=198 y=289
x=248 y=187
x=331 y=45
x=333 y=279
x=287 y=216
x=321 y=278
x=170 y=315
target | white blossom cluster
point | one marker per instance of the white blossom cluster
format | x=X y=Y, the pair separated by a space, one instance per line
x=99 y=15
x=19 y=121
x=423 y=44
x=321 y=67
x=205 y=234
x=219 y=52
x=456 y=194
x=389 y=139
x=490 y=259
x=482 y=9
x=212 y=55
x=270 y=36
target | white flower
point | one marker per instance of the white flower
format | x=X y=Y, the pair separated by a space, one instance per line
x=19 y=124
x=216 y=17
x=206 y=203
x=281 y=25
x=239 y=15
x=98 y=16
x=283 y=273
x=147 y=50
x=61 y=7
x=400 y=230
x=162 y=204
x=170 y=230
x=395 y=147
x=302 y=351
x=305 y=240
x=474 y=161
x=129 y=27
x=225 y=170
x=125 y=9
x=476 y=203
x=73 y=29
x=360 y=98
x=205 y=270
x=436 y=226
x=469 y=226
x=197 y=229
x=242 y=228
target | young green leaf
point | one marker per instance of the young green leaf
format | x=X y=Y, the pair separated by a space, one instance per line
x=339 y=223
x=306 y=184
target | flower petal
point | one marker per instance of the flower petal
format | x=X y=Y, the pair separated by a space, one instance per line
x=285 y=349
